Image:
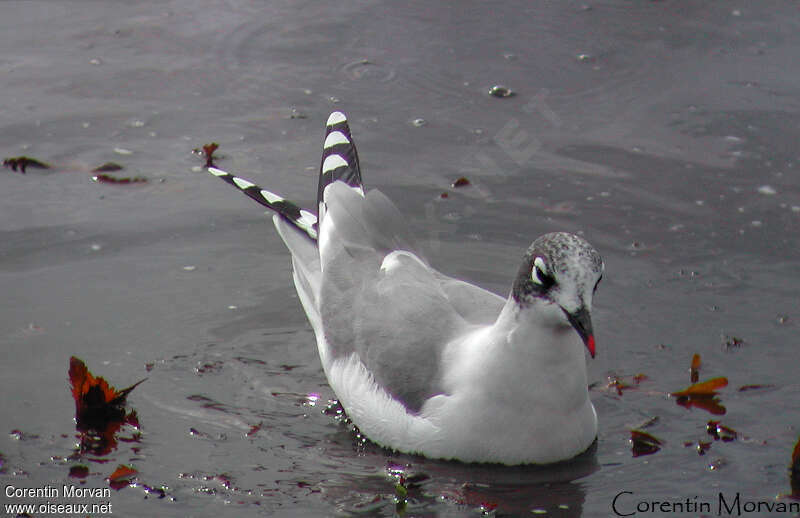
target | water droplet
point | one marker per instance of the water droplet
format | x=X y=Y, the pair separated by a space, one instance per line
x=190 y=268
x=419 y=122
x=586 y=58
x=122 y=151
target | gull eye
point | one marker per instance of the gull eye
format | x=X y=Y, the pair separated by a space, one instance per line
x=538 y=275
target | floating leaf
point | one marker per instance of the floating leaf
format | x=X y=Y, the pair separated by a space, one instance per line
x=702 y=395
x=642 y=443
x=620 y=384
x=461 y=182
x=207 y=150
x=107 y=178
x=705 y=389
x=99 y=410
x=721 y=432
x=254 y=429
x=501 y=91
x=745 y=388
x=694 y=370
x=79 y=471
x=732 y=342
x=121 y=476
x=23 y=162
x=94 y=397
x=107 y=168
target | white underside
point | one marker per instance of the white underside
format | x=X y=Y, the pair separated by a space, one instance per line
x=454 y=427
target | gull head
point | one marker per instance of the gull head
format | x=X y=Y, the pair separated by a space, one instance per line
x=557 y=280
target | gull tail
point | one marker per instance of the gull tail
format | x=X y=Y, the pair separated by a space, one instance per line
x=339 y=159
x=300 y=218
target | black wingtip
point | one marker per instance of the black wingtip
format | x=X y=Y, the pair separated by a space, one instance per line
x=301 y=218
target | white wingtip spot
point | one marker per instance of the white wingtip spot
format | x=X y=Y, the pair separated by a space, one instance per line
x=333 y=162
x=217 y=172
x=241 y=183
x=270 y=196
x=334 y=138
x=307 y=218
x=336 y=118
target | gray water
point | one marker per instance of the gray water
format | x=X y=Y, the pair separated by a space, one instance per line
x=665 y=132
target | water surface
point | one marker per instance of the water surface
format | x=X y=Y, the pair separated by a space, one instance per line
x=664 y=132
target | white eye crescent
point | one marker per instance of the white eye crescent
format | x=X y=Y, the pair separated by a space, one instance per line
x=539 y=270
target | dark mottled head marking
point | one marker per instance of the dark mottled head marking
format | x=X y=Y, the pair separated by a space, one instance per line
x=557 y=266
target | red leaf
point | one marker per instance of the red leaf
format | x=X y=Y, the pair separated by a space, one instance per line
x=96 y=402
